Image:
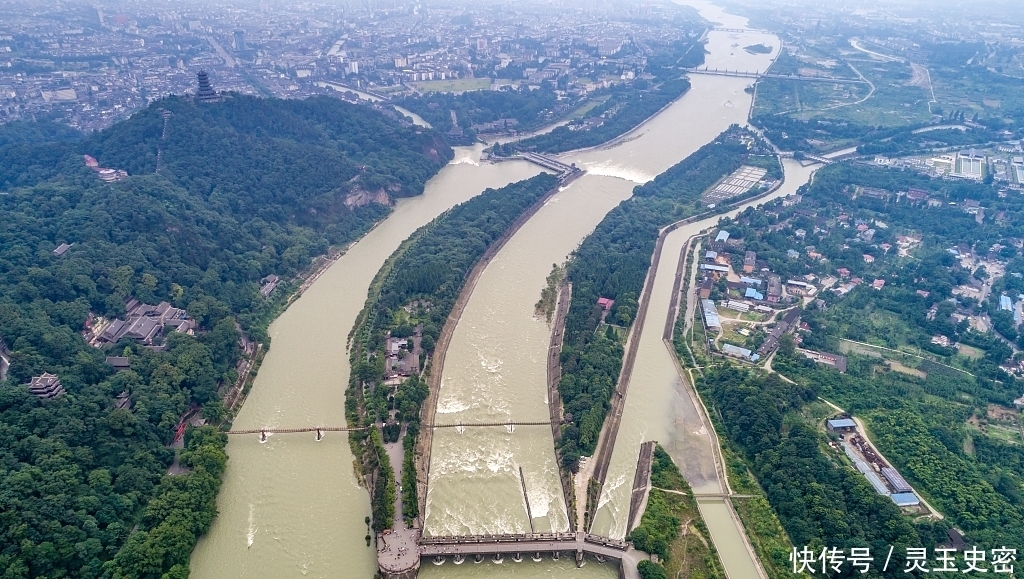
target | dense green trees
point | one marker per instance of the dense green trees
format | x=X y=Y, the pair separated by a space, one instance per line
x=182 y=509
x=819 y=502
x=418 y=285
x=42 y=131
x=925 y=415
x=249 y=187
x=612 y=263
x=529 y=108
x=246 y=188
x=628 y=106
x=77 y=473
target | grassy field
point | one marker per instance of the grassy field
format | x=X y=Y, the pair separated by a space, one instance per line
x=776 y=96
x=895 y=102
x=901 y=95
x=672 y=517
x=731 y=335
x=1006 y=434
x=751 y=316
x=586 y=107
x=815 y=413
x=811 y=61
x=971 y=352
x=898 y=367
x=456 y=85
x=976 y=91
x=389 y=89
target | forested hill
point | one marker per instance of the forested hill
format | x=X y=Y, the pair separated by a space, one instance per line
x=282 y=156
x=246 y=188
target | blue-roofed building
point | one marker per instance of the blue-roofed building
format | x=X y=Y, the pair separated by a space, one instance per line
x=1005 y=303
x=792 y=253
x=905 y=499
x=753 y=294
x=865 y=469
x=722 y=237
x=877 y=483
x=896 y=480
x=751 y=281
x=736 y=351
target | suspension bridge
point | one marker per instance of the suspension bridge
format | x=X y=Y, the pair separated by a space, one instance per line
x=320 y=430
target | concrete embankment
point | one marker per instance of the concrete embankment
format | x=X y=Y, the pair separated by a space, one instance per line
x=429 y=408
x=554 y=374
x=609 y=432
x=641 y=485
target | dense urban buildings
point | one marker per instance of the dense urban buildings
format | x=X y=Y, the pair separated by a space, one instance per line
x=91 y=64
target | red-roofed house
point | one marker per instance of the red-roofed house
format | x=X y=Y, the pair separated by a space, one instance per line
x=605 y=303
x=878 y=284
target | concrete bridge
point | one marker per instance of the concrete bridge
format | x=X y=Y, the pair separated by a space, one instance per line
x=758 y=74
x=741 y=30
x=818 y=158
x=549 y=162
x=479 y=548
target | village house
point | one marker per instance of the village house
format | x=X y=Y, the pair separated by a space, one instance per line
x=749 y=261
x=269 y=284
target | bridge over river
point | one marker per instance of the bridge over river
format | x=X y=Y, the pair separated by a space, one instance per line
x=760 y=75
x=404 y=564
x=320 y=430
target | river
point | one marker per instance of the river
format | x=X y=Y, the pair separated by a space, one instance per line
x=658 y=407
x=291 y=507
x=495 y=366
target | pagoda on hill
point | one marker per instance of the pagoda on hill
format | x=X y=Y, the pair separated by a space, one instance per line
x=46 y=386
x=205 y=94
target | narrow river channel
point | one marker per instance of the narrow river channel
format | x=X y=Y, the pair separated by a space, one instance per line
x=659 y=407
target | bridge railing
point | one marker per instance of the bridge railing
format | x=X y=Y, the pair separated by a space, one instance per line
x=524 y=538
x=321 y=429
x=503 y=538
x=599 y=540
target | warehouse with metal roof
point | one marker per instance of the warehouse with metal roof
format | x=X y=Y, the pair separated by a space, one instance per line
x=711 y=319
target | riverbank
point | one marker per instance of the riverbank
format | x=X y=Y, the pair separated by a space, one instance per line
x=676 y=191
x=429 y=408
x=318 y=512
x=556 y=410
x=609 y=432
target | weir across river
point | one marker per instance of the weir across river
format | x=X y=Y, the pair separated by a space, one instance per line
x=478 y=548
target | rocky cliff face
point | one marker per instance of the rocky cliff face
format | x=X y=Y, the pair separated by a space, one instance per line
x=359 y=197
